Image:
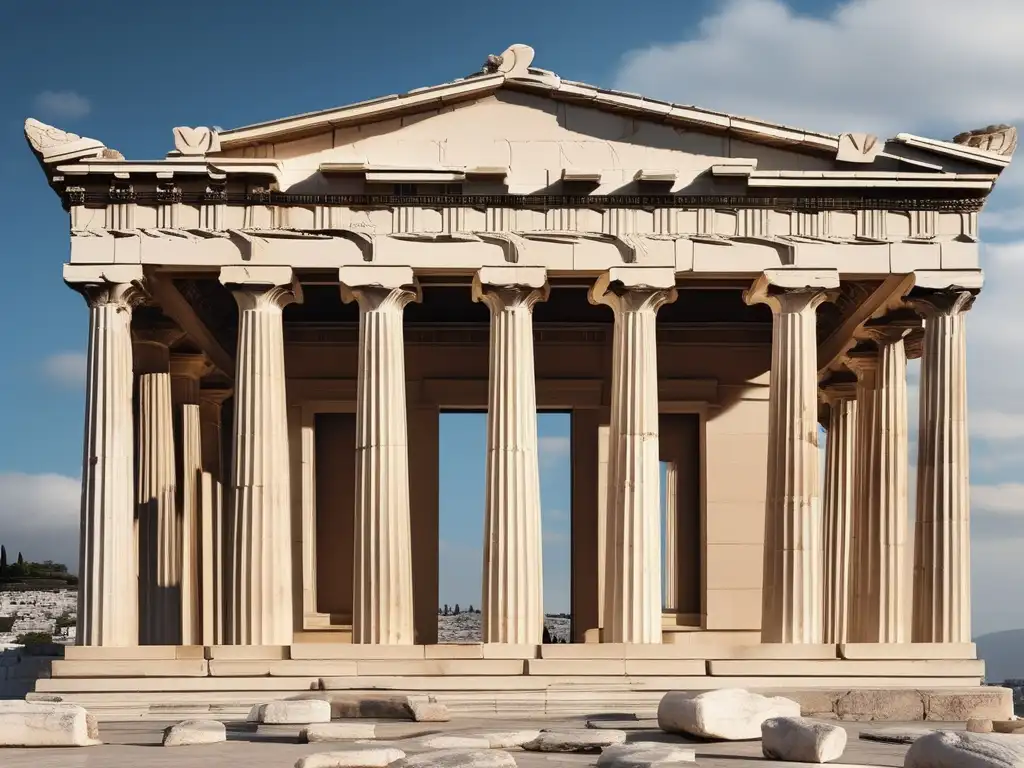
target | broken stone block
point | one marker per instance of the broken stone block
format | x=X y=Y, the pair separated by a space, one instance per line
x=644 y=754
x=966 y=750
x=337 y=732
x=458 y=758
x=979 y=725
x=797 y=740
x=575 y=740
x=28 y=724
x=291 y=712
x=352 y=756
x=192 y=732
x=731 y=714
x=428 y=711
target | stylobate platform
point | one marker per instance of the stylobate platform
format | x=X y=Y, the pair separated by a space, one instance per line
x=848 y=681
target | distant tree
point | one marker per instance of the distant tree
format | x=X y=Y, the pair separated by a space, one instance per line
x=3 y=559
x=447 y=610
x=471 y=609
x=456 y=609
x=21 y=560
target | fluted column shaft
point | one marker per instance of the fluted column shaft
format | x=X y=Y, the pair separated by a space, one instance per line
x=159 y=518
x=840 y=480
x=792 y=597
x=215 y=549
x=382 y=604
x=942 y=550
x=880 y=517
x=671 y=537
x=632 y=594
x=513 y=610
x=108 y=587
x=260 y=487
x=186 y=370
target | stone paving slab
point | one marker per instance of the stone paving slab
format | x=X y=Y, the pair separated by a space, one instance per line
x=137 y=745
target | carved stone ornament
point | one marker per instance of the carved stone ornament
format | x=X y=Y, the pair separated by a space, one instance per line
x=514 y=62
x=196 y=141
x=1000 y=139
x=858 y=148
x=52 y=145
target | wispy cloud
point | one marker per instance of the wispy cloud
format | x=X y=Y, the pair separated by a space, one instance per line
x=554 y=449
x=39 y=516
x=62 y=104
x=65 y=369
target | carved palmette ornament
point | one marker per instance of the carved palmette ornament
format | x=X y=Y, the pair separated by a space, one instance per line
x=858 y=147
x=196 y=141
x=1000 y=139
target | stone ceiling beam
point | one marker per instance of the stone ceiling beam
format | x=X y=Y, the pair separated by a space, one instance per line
x=176 y=307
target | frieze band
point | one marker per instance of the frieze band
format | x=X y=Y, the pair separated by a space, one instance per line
x=76 y=196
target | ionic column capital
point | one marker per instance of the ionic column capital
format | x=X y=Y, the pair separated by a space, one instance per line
x=262 y=287
x=510 y=287
x=787 y=290
x=863 y=359
x=120 y=284
x=379 y=287
x=635 y=289
x=932 y=303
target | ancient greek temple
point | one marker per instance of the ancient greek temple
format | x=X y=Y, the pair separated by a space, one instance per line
x=279 y=314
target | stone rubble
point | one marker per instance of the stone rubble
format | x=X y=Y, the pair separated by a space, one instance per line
x=575 y=740
x=291 y=712
x=27 y=724
x=456 y=758
x=644 y=754
x=318 y=732
x=732 y=714
x=454 y=741
x=960 y=749
x=798 y=740
x=895 y=735
x=352 y=756
x=193 y=732
x=428 y=711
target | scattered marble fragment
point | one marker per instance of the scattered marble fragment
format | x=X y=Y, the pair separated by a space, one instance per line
x=575 y=740
x=731 y=714
x=192 y=732
x=352 y=756
x=798 y=740
x=291 y=712
x=457 y=758
x=962 y=749
x=337 y=732
x=895 y=735
x=644 y=754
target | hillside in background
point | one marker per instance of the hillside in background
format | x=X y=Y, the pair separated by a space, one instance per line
x=1003 y=653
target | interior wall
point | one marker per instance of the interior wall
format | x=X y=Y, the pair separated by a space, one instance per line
x=335 y=438
x=680 y=443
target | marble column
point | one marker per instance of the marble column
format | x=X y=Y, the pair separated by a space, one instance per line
x=157 y=511
x=260 y=485
x=671 y=537
x=215 y=552
x=382 y=603
x=186 y=371
x=108 y=587
x=632 y=591
x=513 y=588
x=942 y=547
x=791 y=601
x=880 y=505
x=840 y=479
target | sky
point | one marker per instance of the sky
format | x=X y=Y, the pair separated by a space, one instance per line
x=126 y=73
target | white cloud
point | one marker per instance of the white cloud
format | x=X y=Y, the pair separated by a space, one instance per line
x=1001 y=498
x=66 y=369
x=554 y=450
x=62 y=104
x=875 y=65
x=39 y=516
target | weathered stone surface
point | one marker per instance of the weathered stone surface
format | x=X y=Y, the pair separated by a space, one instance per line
x=347 y=706
x=644 y=754
x=291 y=712
x=575 y=740
x=337 y=732
x=892 y=705
x=28 y=724
x=729 y=713
x=191 y=732
x=980 y=725
x=429 y=712
x=352 y=756
x=459 y=758
x=1008 y=726
x=455 y=741
x=801 y=741
x=949 y=749
x=815 y=703
x=895 y=735
x=991 y=703
x=508 y=739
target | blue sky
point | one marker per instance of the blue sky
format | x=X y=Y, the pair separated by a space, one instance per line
x=126 y=73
